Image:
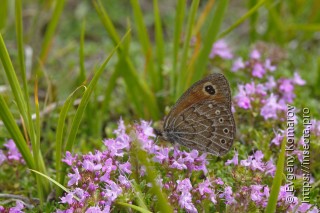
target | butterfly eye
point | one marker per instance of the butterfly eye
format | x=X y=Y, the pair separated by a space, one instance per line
x=209 y=89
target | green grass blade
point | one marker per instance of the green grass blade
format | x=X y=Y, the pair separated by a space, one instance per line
x=139 y=195
x=305 y=27
x=186 y=46
x=82 y=73
x=84 y=101
x=52 y=180
x=253 y=21
x=28 y=121
x=180 y=11
x=60 y=127
x=133 y=207
x=242 y=19
x=19 y=32
x=145 y=44
x=107 y=23
x=82 y=106
x=50 y=31
x=13 y=80
x=141 y=27
x=130 y=74
x=203 y=16
x=3 y=14
x=34 y=133
x=276 y=27
x=163 y=204
x=37 y=149
x=272 y=202
x=15 y=133
x=159 y=42
x=200 y=65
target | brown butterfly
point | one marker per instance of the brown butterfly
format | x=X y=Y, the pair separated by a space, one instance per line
x=202 y=118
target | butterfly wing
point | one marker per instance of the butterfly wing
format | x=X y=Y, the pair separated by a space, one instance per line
x=202 y=118
x=207 y=126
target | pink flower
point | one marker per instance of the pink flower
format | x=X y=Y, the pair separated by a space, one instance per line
x=237 y=65
x=69 y=159
x=256 y=194
x=242 y=98
x=298 y=80
x=270 y=108
x=18 y=208
x=68 y=198
x=234 y=160
x=270 y=84
x=74 y=178
x=162 y=155
x=13 y=152
x=220 y=48
x=107 y=168
x=255 y=54
x=227 y=195
x=269 y=66
x=124 y=181
x=278 y=138
x=125 y=167
x=91 y=166
x=286 y=85
x=258 y=70
x=258 y=155
x=185 y=199
x=219 y=181
x=112 y=191
x=94 y=209
x=3 y=157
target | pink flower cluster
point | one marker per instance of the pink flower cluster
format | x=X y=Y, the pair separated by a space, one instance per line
x=221 y=49
x=12 y=155
x=16 y=209
x=102 y=177
x=98 y=180
x=258 y=193
x=255 y=64
x=272 y=96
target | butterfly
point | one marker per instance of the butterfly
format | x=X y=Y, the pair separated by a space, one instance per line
x=202 y=118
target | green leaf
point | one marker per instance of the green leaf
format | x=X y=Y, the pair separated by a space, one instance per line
x=199 y=69
x=276 y=183
x=186 y=46
x=134 y=207
x=82 y=106
x=60 y=127
x=15 y=132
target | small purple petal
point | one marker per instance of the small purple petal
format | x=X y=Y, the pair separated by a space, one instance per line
x=234 y=160
x=220 y=48
x=269 y=66
x=125 y=167
x=13 y=152
x=69 y=159
x=255 y=54
x=258 y=70
x=74 y=178
x=298 y=80
x=271 y=107
x=242 y=98
x=237 y=65
x=3 y=158
x=68 y=198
